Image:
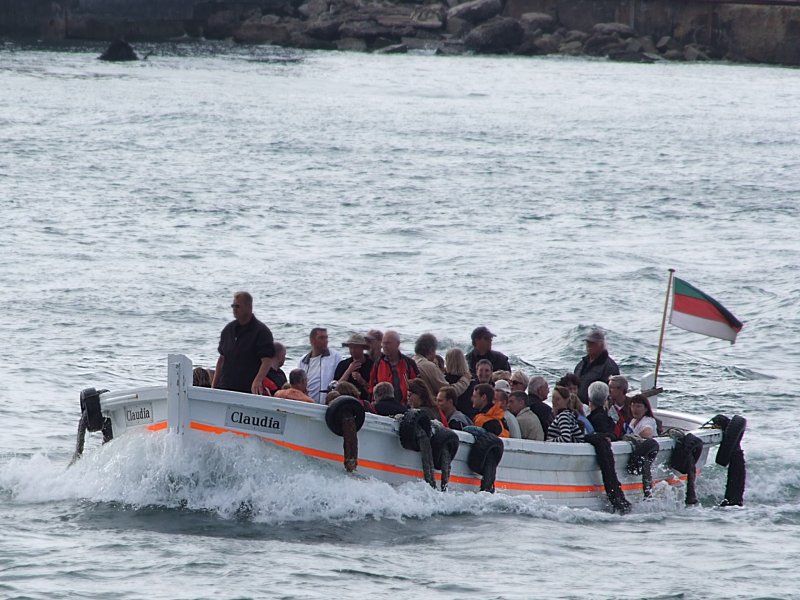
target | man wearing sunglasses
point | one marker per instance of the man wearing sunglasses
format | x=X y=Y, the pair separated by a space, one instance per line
x=245 y=350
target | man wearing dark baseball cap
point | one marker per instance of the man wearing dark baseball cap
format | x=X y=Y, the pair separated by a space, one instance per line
x=482 y=348
x=597 y=365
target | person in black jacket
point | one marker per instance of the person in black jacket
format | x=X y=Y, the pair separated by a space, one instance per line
x=538 y=391
x=482 y=348
x=385 y=403
x=602 y=423
x=597 y=365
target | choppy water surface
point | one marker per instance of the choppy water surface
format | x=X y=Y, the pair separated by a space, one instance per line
x=537 y=196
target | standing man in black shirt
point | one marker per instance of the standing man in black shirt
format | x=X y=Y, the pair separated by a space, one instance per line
x=482 y=348
x=245 y=350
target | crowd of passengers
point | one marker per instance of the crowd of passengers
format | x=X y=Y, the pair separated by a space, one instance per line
x=458 y=390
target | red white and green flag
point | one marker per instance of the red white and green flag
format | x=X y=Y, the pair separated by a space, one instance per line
x=696 y=311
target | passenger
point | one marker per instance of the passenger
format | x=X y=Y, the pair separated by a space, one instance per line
x=519 y=382
x=482 y=348
x=447 y=399
x=439 y=362
x=619 y=404
x=420 y=396
x=245 y=350
x=530 y=427
x=503 y=386
x=201 y=377
x=346 y=388
x=537 y=394
x=501 y=376
x=357 y=367
x=565 y=426
x=298 y=387
x=331 y=396
x=319 y=364
x=488 y=414
x=393 y=367
x=602 y=423
x=374 y=339
x=571 y=382
x=429 y=371
x=275 y=376
x=385 y=403
x=576 y=406
x=643 y=422
x=456 y=367
x=483 y=372
x=597 y=365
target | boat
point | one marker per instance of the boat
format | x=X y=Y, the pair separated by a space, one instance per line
x=567 y=474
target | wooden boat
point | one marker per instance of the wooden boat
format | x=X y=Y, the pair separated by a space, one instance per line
x=561 y=473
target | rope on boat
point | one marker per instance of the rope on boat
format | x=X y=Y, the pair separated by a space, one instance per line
x=484 y=456
x=80 y=441
x=605 y=458
x=731 y=455
x=644 y=453
x=91 y=419
x=345 y=417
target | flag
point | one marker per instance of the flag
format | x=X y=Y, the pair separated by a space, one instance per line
x=695 y=311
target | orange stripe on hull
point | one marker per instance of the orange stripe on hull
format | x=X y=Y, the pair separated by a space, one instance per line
x=157 y=426
x=387 y=468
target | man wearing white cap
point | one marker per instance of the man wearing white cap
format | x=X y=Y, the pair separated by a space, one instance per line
x=597 y=365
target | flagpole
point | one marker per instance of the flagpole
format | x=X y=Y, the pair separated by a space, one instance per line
x=663 y=325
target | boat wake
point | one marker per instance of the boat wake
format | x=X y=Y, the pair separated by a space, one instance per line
x=235 y=479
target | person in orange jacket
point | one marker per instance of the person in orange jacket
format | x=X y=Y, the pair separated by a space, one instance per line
x=489 y=414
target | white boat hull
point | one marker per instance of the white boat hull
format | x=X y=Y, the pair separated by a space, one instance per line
x=563 y=474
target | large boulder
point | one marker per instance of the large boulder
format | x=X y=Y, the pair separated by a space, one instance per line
x=311 y=9
x=325 y=29
x=601 y=44
x=430 y=16
x=621 y=29
x=221 y=24
x=498 y=36
x=532 y=21
x=476 y=11
x=269 y=29
x=119 y=51
x=364 y=30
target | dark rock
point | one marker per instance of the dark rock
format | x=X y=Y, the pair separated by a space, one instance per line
x=417 y=43
x=476 y=11
x=498 y=36
x=601 y=45
x=692 y=52
x=364 y=30
x=648 y=45
x=634 y=46
x=548 y=44
x=325 y=29
x=458 y=27
x=574 y=35
x=269 y=29
x=393 y=49
x=620 y=29
x=673 y=55
x=351 y=45
x=311 y=9
x=532 y=21
x=573 y=48
x=450 y=48
x=298 y=39
x=119 y=51
x=667 y=43
x=430 y=16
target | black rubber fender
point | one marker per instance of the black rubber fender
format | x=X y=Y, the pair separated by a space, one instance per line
x=443 y=438
x=731 y=438
x=339 y=408
x=686 y=453
x=412 y=420
x=90 y=406
x=486 y=444
x=643 y=450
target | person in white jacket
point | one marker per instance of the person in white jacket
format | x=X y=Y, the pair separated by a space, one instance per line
x=319 y=364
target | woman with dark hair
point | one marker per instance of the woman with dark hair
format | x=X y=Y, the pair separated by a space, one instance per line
x=420 y=396
x=565 y=426
x=643 y=423
x=201 y=377
x=571 y=382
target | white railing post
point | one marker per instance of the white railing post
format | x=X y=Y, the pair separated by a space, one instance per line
x=179 y=378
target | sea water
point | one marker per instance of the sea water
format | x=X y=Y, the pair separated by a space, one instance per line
x=537 y=196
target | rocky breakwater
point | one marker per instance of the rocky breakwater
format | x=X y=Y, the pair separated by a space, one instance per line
x=476 y=26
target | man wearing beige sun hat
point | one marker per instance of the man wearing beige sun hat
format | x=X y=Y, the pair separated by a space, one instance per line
x=356 y=368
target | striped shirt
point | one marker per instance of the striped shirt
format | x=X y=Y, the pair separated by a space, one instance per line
x=565 y=428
